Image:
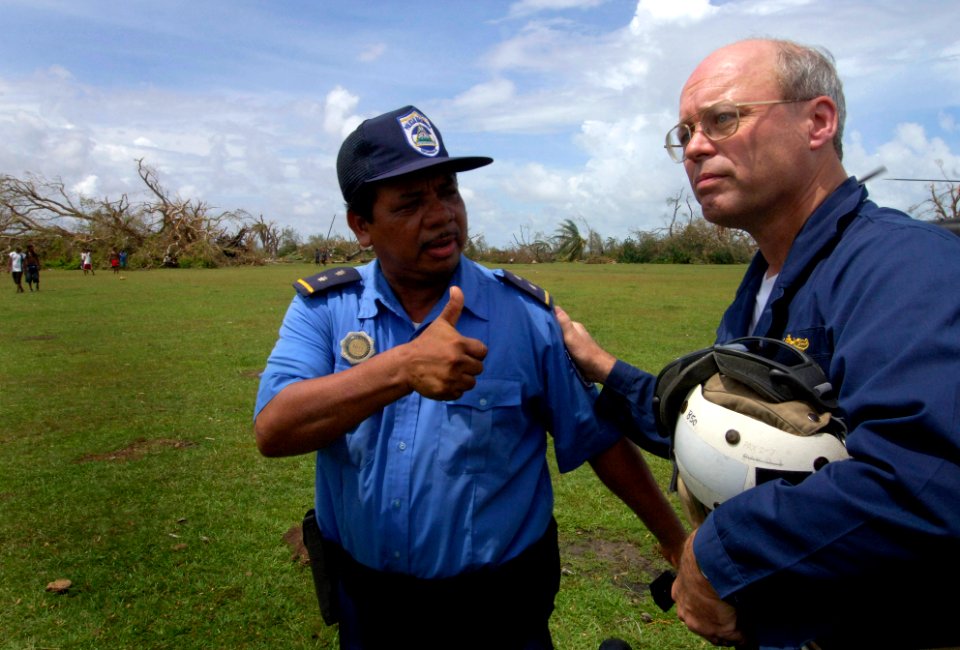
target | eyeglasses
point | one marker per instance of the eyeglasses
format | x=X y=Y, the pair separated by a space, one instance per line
x=717 y=122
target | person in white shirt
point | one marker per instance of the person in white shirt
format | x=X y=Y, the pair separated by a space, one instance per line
x=16 y=268
x=86 y=262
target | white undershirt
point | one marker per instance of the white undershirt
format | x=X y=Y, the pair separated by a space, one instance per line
x=763 y=294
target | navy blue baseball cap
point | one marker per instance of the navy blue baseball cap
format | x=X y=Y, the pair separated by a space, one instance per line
x=393 y=144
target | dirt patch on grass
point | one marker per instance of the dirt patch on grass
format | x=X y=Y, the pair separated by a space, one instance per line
x=252 y=374
x=623 y=554
x=294 y=539
x=624 y=562
x=137 y=449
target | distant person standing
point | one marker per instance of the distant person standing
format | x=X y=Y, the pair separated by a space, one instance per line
x=316 y=256
x=86 y=262
x=115 y=262
x=324 y=256
x=123 y=259
x=32 y=260
x=16 y=268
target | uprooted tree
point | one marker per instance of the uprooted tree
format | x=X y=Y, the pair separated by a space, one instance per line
x=162 y=230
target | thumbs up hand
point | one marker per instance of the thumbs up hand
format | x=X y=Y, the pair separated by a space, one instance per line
x=454 y=307
x=442 y=363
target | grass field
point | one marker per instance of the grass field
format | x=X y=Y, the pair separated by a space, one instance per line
x=128 y=466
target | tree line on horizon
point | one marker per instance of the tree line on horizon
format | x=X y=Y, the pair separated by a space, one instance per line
x=164 y=230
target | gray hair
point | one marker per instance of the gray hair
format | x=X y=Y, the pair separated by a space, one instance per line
x=806 y=72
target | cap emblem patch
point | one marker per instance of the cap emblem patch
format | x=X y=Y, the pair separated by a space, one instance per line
x=420 y=134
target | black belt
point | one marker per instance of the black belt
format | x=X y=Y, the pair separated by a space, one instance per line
x=533 y=563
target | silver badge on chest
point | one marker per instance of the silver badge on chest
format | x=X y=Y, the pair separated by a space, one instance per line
x=356 y=347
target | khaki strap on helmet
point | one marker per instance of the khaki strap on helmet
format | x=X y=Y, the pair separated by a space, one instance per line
x=796 y=417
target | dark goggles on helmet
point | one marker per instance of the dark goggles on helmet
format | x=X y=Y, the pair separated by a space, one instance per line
x=776 y=370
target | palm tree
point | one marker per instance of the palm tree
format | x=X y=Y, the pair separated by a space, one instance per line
x=568 y=242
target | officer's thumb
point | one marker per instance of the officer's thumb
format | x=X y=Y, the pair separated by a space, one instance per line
x=451 y=312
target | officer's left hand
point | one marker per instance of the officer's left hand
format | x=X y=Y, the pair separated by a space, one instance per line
x=699 y=606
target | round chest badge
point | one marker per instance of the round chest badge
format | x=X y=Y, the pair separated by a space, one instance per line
x=356 y=347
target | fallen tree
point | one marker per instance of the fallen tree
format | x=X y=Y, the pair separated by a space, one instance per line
x=162 y=230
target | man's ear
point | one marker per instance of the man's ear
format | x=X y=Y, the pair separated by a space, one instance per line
x=359 y=226
x=823 y=122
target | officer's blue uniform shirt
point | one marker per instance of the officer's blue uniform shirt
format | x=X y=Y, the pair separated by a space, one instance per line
x=872 y=296
x=430 y=488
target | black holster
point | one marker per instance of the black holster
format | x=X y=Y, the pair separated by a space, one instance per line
x=325 y=565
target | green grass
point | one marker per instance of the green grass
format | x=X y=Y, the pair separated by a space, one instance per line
x=128 y=466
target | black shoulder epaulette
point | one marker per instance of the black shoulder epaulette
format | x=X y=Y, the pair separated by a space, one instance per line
x=325 y=280
x=542 y=295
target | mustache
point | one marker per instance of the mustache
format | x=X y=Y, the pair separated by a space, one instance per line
x=446 y=234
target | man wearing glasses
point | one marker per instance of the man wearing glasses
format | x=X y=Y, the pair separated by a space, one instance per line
x=853 y=555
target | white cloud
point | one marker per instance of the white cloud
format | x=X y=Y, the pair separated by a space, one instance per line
x=372 y=53
x=187 y=191
x=337 y=119
x=772 y=7
x=59 y=72
x=491 y=93
x=625 y=74
x=87 y=187
x=947 y=122
x=525 y=8
x=539 y=47
x=534 y=182
x=672 y=10
x=910 y=140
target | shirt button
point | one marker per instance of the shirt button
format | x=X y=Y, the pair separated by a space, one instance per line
x=396 y=554
x=483 y=401
x=396 y=503
x=402 y=446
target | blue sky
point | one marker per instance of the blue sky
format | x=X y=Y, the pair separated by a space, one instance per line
x=243 y=104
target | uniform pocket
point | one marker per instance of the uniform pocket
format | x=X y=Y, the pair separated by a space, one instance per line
x=481 y=429
x=356 y=449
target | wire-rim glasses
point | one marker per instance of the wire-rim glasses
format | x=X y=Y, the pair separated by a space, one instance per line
x=717 y=122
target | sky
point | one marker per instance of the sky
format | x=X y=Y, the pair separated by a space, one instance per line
x=243 y=104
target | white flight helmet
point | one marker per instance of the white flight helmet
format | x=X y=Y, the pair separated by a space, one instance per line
x=742 y=414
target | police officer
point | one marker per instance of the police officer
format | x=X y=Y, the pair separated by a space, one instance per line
x=854 y=555
x=426 y=384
